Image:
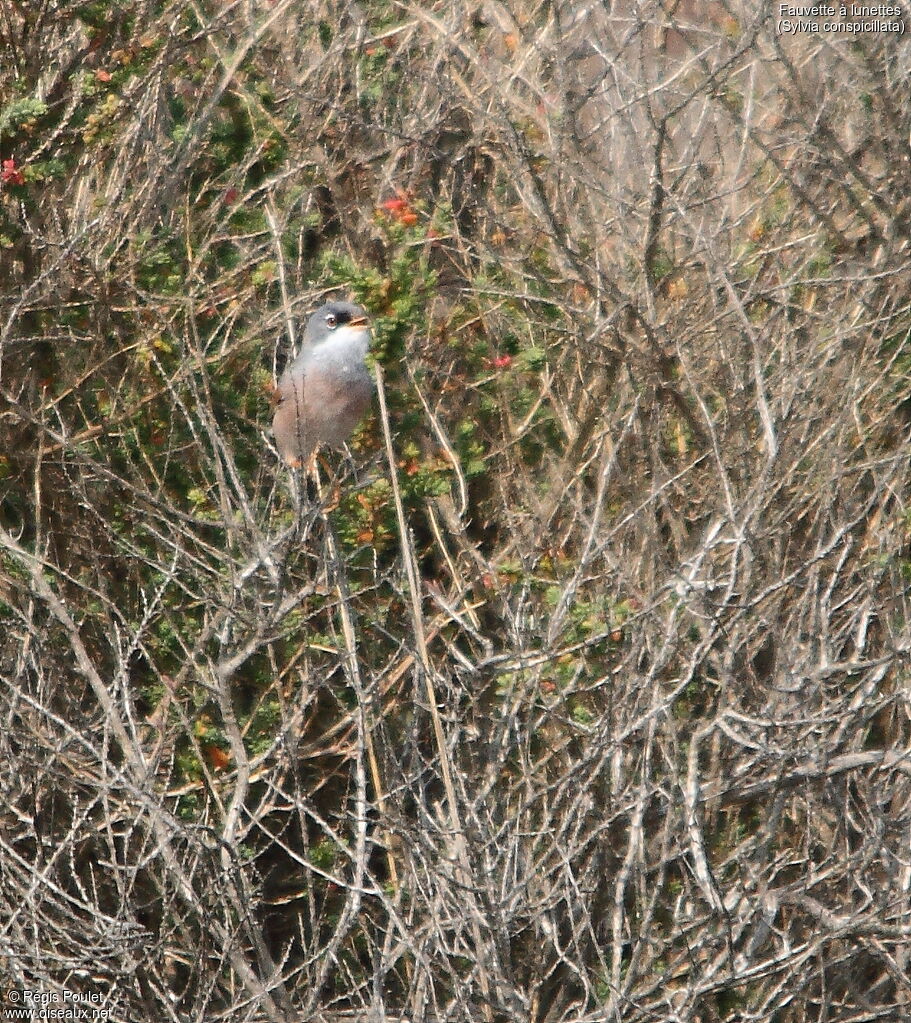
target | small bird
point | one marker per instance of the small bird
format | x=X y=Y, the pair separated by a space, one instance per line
x=326 y=391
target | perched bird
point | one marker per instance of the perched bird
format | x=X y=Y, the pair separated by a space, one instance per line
x=326 y=391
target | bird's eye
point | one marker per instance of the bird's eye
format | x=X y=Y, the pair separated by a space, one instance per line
x=331 y=321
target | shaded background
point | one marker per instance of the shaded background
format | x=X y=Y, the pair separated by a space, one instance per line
x=602 y=714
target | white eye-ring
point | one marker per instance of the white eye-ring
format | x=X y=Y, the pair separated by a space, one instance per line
x=331 y=321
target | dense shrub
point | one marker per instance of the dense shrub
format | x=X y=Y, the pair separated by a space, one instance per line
x=576 y=692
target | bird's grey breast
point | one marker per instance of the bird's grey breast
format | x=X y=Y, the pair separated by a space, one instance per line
x=342 y=357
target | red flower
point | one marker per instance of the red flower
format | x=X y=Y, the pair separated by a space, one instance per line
x=395 y=206
x=11 y=175
x=502 y=362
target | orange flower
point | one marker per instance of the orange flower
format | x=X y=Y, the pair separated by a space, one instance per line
x=217 y=757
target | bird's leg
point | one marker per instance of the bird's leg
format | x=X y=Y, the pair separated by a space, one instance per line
x=312 y=476
x=311 y=480
x=335 y=491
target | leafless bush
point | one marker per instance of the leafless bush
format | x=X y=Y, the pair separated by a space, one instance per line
x=580 y=694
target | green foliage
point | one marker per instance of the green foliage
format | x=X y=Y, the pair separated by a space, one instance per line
x=367 y=517
x=21 y=114
x=101 y=121
x=567 y=429
x=188 y=806
x=96 y=13
x=261 y=729
x=324 y=854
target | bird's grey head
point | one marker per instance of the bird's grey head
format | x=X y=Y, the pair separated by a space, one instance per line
x=335 y=317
